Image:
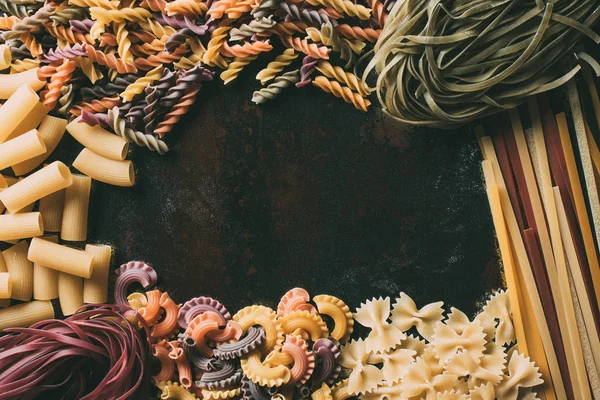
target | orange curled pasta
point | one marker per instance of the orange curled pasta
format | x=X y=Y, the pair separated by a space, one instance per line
x=156 y=5
x=199 y=327
x=240 y=8
x=245 y=50
x=293 y=300
x=379 y=13
x=359 y=33
x=110 y=61
x=65 y=34
x=108 y=39
x=184 y=369
x=150 y=312
x=31 y=43
x=232 y=333
x=46 y=72
x=148 y=49
x=169 y=323
x=167 y=366
x=96 y=106
x=219 y=7
x=62 y=76
x=302 y=45
x=7 y=22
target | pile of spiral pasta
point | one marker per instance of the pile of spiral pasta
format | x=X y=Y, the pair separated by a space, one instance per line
x=135 y=67
x=448 y=62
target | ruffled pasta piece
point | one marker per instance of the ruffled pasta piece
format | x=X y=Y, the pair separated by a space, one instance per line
x=253 y=391
x=304 y=359
x=364 y=378
x=167 y=365
x=488 y=369
x=374 y=314
x=265 y=317
x=405 y=315
x=498 y=307
x=133 y=271
x=137 y=300
x=221 y=394
x=323 y=393
x=222 y=375
x=172 y=390
x=254 y=338
x=432 y=361
x=451 y=395
x=420 y=382
x=293 y=300
x=483 y=392
x=414 y=343
x=199 y=305
x=230 y=334
x=169 y=322
x=521 y=373
x=307 y=321
x=340 y=391
x=395 y=363
x=340 y=313
x=263 y=374
x=199 y=327
x=447 y=342
x=150 y=312
x=457 y=320
x=327 y=369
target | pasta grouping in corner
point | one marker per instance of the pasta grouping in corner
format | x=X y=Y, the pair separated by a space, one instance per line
x=133 y=68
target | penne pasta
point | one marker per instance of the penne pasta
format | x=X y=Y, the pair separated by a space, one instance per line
x=61 y=258
x=49 y=179
x=5 y=285
x=3 y=302
x=31 y=121
x=51 y=130
x=75 y=211
x=16 y=109
x=10 y=84
x=118 y=173
x=51 y=208
x=21 y=148
x=99 y=140
x=5 y=57
x=45 y=280
x=20 y=270
x=95 y=289
x=70 y=293
x=21 y=226
x=24 y=315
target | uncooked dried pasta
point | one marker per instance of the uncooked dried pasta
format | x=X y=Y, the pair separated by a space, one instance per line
x=98 y=140
x=118 y=173
x=26 y=314
x=20 y=270
x=95 y=289
x=21 y=148
x=405 y=315
x=21 y=226
x=15 y=110
x=70 y=293
x=5 y=285
x=10 y=84
x=51 y=208
x=374 y=314
x=75 y=211
x=31 y=121
x=61 y=258
x=45 y=280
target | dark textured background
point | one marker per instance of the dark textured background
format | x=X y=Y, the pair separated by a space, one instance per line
x=304 y=191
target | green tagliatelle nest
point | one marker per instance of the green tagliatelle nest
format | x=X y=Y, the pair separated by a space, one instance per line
x=442 y=62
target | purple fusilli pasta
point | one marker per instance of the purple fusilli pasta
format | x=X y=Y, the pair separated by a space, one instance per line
x=81 y=26
x=186 y=80
x=67 y=52
x=306 y=71
x=185 y=22
x=109 y=89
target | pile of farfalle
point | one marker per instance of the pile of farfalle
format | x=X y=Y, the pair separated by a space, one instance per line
x=418 y=353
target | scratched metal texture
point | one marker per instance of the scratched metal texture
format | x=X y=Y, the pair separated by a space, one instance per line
x=304 y=191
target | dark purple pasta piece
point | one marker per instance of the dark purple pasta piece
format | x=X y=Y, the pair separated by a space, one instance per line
x=96 y=119
x=187 y=80
x=255 y=336
x=97 y=353
x=133 y=271
x=199 y=305
x=19 y=51
x=81 y=26
x=303 y=391
x=226 y=375
x=178 y=38
x=327 y=369
x=194 y=357
x=108 y=89
x=67 y=52
x=306 y=71
x=253 y=391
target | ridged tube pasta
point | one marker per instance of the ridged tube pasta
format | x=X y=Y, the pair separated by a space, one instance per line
x=99 y=140
x=61 y=258
x=20 y=270
x=45 y=280
x=70 y=293
x=95 y=289
x=24 y=315
x=10 y=84
x=16 y=108
x=3 y=302
x=263 y=374
x=5 y=57
x=51 y=178
x=51 y=130
x=21 y=226
x=118 y=173
x=51 y=208
x=31 y=121
x=21 y=148
x=75 y=211
x=5 y=285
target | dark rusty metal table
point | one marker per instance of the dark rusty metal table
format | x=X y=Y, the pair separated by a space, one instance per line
x=304 y=191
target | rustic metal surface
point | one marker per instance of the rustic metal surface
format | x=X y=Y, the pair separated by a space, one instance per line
x=305 y=191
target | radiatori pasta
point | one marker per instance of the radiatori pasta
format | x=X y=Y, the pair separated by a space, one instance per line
x=118 y=173
x=61 y=258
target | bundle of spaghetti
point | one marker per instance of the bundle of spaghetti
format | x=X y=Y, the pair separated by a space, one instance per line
x=29 y=24
x=274 y=89
x=343 y=92
x=68 y=35
x=7 y=22
x=67 y=52
x=23 y=65
x=310 y=16
x=162 y=58
x=186 y=7
x=358 y=33
x=124 y=44
x=347 y=78
x=255 y=26
x=247 y=49
x=275 y=67
x=469 y=69
x=307 y=70
x=345 y=7
x=69 y=14
x=302 y=45
x=98 y=352
x=217 y=39
x=235 y=67
x=63 y=74
x=217 y=10
x=96 y=106
x=264 y=8
x=240 y=8
x=110 y=61
x=31 y=43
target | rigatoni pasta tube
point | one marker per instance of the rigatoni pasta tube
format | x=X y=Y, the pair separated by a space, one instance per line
x=10 y=84
x=3 y=302
x=5 y=57
x=61 y=258
x=75 y=211
x=95 y=289
x=118 y=173
x=51 y=208
x=21 y=226
x=16 y=109
x=51 y=178
x=21 y=148
x=70 y=293
x=20 y=270
x=25 y=315
x=51 y=131
x=33 y=119
x=45 y=280
x=99 y=140
x=5 y=285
